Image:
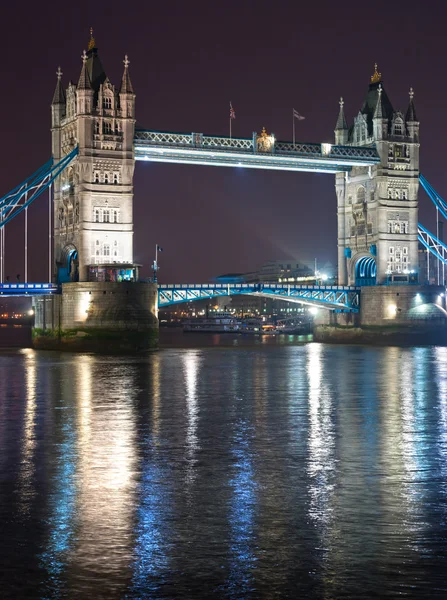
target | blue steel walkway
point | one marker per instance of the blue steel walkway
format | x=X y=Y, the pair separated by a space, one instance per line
x=340 y=298
x=28 y=289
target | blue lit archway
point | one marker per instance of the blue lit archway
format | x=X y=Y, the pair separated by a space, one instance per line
x=365 y=271
x=68 y=266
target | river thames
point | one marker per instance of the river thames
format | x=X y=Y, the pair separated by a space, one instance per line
x=226 y=468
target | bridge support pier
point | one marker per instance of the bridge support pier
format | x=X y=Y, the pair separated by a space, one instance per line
x=389 y=314
x=98 y=317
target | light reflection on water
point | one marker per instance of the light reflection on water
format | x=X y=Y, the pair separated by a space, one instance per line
x=259 y=471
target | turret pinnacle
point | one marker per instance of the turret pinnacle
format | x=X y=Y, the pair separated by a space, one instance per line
x=126 y=84
x=91 y=43
x=411 y=111
x=84 y=79
x=341 y=121
x=376 y=77
x=379 y=112
x=59 y=92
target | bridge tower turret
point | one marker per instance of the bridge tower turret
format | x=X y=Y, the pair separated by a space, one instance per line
x=378 y=206
x=93 y=217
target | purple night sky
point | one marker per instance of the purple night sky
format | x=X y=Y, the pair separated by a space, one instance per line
x=188 y=60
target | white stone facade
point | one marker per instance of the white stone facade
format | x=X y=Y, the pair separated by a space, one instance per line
x=93 y=217
x=378 y=206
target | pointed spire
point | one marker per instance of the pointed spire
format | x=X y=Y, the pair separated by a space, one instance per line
x=411 y=111
x=376 y=77
x=91 y=43
x=84 y=79
x=379 y=112
x=341 y=121
x=126 y=84
x=59 y=92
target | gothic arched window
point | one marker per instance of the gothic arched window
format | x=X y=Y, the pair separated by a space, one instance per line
x=360 y=195
x=107 y=102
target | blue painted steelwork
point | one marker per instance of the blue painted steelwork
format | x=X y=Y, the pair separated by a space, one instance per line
x=434 y=196
x=24 y=194
x=365 y=271
x=342 y=298
x=437 y=248
x=432 y=243
x=28 y=289
x=257 y=153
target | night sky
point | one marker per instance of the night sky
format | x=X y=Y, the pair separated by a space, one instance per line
x=188 y=60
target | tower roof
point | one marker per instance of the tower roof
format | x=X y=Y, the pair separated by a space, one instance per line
x=59 y=92
x=94 y=66
x=341 y=121
x=84 y=79
x=126 y=84
x=371 y=100
x=411 y=111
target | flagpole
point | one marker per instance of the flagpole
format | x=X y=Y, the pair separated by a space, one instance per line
x=293 y=125
x=155 y=263
x=231 y=106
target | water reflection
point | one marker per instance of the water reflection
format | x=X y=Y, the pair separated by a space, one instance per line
x=321 y=440
x=261 y=472
x=28 y=444
x=242 y=512
x=191 y=365
x=105 y=394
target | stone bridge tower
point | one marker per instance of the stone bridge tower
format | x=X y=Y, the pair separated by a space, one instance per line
x=378 y=206
x=93 y=222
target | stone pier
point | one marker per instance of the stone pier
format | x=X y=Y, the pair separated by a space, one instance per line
x=98 y=317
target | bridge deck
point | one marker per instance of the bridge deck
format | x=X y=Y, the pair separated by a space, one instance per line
x=343 y=298
x=27 y=289
x=196 y=148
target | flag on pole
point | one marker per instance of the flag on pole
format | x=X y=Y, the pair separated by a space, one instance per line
x=232 y=113
x=159 y=249
x=297 y=115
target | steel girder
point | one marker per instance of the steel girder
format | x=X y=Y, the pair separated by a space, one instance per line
x=24 y=194
x=433 y=245
x=28 y=289
x=342 y=298
x=196 y=148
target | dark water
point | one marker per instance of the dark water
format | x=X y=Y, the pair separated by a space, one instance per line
x=267 y=470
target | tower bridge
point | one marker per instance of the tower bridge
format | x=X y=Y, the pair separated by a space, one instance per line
x=95 y=147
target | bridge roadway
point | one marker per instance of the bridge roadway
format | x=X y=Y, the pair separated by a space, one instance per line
x=259 y=152
x=339 y=298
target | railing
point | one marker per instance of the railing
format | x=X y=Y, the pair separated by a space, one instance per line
x=197 y=141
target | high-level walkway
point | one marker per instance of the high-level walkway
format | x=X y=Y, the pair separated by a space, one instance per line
x=259 y=152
